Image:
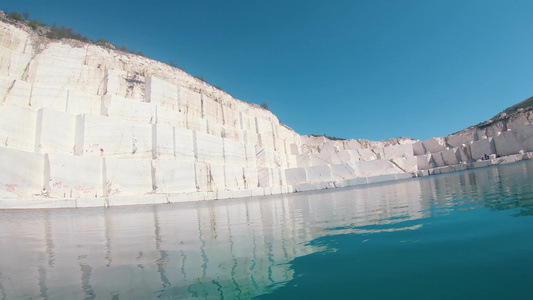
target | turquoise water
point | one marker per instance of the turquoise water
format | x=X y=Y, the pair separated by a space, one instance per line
x=466 y=235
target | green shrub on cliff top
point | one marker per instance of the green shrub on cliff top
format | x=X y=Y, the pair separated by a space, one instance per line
x=15 y=16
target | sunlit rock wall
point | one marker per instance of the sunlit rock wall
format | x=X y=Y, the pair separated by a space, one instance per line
x=84 y=122
x=502 y=140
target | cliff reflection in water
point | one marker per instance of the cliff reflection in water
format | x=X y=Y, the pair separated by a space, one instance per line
x=220 y=249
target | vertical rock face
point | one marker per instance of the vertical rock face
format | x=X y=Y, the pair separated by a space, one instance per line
x=79 y=121
x=98 y=123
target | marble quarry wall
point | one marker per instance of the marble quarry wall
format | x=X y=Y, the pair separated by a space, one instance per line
x=505 y=139
x=79 y=121
x=92 y=126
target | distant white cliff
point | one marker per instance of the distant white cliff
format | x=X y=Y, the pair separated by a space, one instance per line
x=83 y=125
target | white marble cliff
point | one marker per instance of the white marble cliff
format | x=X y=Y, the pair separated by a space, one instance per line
x=83 y=125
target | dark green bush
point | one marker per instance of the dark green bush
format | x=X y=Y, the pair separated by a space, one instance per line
x=15 y=16
x=34 y=24
x=333 y=138
x=65 y=33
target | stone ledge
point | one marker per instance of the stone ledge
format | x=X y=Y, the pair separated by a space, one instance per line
x=477 y=164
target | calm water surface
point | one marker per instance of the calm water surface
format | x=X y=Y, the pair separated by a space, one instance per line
x=466 y=235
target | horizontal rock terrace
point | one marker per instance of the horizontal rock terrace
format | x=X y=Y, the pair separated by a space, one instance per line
x=506 y=140
x=82 y=125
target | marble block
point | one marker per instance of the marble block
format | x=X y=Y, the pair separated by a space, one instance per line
x=234 y=177
x=167 y=116
x=83 y=103
x=208 y=148
x=366 y=154
x=202 y=177
x=215 y=129
x=184 y=144
x=234 y=153
x=17 y=48
x=266 y=140
x=55 y=132
x=406 y=164
x=463 y=154
x=458 y=139
x=285 y=132
x=356 y=181
x=17 y=127
x=342 y=172
x=127 y=109
x=291 y=162
x=305 y=187
x=127 y=176
x=506 y=144
x=282 y=177
x=98 y=135
x=525 y=135
x=375 y=168
x=418 y=149
x=19 y=92
x=450 y=157
x=480 y=148
x=434 y=145
x=264 y=127
x=480 y=134
x=189 y=102
x=112 y=81
x=517 y=121
x=275 y=177
x=52 y=97
x=233 y=134
x=279 y=145
x=245 y=122
x=319 y=173
x=5 y=84
x=425 y=162
x=250 y=138
x=495 y=128
x=251 y=161
x=160 y=92
x=163 y=141
x=231 y=117
x=345 y=156
x=267 y=158
x=249 y=124
x=264 y=177
x=438 y=159
x=173 y=176
x=325 y=158
x=217 y=177
x=62 y=66
x=397 y=151
x=23 y=173
x=303 y=160
x=196 y=123
x=381 y=178
x=251 y=179
x=211 y=110
x=354 y=155
x=75 y=176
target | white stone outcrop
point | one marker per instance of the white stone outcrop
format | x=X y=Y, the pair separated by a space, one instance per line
x=79 y=121
x=507 y=138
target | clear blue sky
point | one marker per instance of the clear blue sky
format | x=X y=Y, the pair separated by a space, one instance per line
x=371 y=69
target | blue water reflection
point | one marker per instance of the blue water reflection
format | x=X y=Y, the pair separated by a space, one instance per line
x=460 y=235
x=466 y=244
